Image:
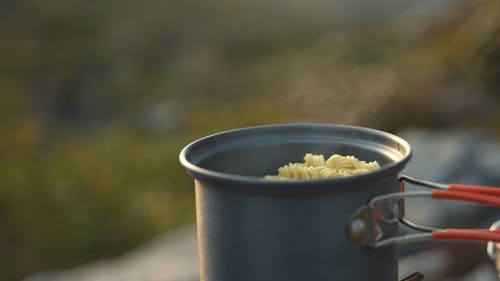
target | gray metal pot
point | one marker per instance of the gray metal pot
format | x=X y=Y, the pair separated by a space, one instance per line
x=252 y=229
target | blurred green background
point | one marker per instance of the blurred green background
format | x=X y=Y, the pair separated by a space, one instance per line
x=97 y=98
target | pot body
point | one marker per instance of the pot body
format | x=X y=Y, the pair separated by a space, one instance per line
x=251 y=229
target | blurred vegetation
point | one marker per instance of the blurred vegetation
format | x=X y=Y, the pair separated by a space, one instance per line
x=98 y=98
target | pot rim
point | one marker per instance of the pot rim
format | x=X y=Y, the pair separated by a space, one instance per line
x=197 y=170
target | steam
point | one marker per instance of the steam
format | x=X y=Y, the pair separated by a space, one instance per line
x=322 y=91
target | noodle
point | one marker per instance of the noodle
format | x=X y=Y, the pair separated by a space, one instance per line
x=315 y=167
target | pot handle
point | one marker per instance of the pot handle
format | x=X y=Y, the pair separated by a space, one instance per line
x=476 y=189
x=486 y=190
x=467 y=234
x=370 y=224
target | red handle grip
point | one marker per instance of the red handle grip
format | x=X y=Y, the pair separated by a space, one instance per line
x=467 y=196
x=467 y=234
x=486 y=190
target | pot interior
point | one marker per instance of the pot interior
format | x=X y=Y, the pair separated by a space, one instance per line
x=260 y=151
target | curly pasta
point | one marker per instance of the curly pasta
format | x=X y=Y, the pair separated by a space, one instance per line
x=316 y=167
x=314 y=160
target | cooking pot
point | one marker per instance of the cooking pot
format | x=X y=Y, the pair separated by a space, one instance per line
x=339 y=229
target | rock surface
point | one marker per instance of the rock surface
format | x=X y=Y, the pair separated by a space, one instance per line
x=171 y=257
x=442 y=156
